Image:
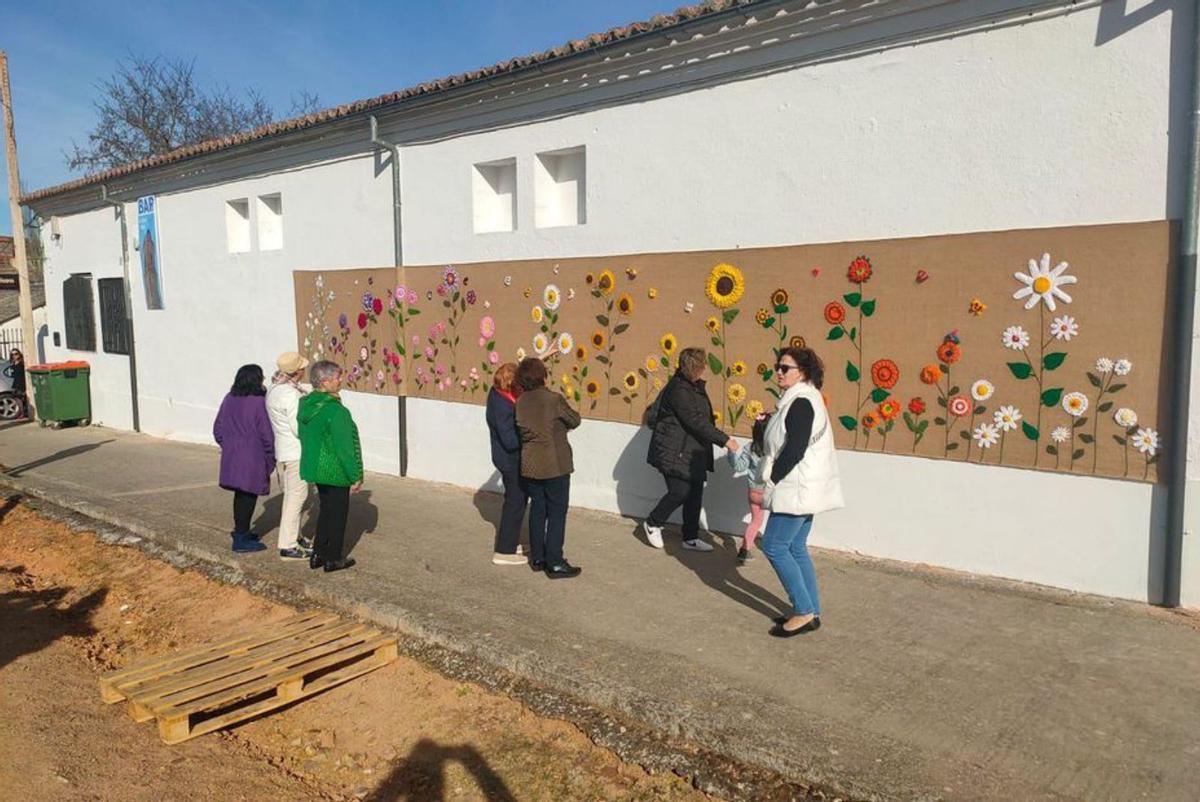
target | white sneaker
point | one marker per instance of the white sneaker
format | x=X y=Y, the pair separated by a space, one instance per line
x=508 y=559
x=697 y=545
x=653 y=534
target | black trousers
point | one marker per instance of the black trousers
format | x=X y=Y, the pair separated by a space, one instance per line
x=243 y=510
x=548 y=502
x=515 y=499
x=689 y=493
x=331 y=521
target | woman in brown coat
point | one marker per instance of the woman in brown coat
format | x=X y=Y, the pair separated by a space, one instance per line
x=543 y=418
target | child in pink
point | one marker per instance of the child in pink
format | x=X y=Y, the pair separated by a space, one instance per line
x=745 y=462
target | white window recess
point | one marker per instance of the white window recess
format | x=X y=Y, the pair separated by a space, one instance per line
x=494 y=190
x=560 y=188
x=237 y=225
x=270 y=222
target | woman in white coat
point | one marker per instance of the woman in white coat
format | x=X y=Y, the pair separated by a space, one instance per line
x=800 y=478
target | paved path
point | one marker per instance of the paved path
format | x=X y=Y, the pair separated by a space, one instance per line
x=921 y=685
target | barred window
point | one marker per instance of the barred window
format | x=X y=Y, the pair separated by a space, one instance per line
x=79 y=314
x=114 y=334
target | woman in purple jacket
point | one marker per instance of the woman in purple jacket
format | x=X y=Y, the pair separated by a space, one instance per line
x=243 y=431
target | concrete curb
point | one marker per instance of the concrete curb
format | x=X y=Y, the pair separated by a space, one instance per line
x=657 y=737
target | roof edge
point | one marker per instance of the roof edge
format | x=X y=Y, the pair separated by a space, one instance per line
x=707 y=10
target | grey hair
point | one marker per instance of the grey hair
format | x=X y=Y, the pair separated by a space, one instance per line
x=692 y=361
x=322 y=372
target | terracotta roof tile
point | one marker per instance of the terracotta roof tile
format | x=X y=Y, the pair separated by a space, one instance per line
x=592 y=42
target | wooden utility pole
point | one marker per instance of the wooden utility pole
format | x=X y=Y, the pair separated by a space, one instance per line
x=28 y=344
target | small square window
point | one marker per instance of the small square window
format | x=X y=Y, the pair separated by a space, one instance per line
x=494 y=187
x=560 y=188
x=270 y=222
x=237 y=225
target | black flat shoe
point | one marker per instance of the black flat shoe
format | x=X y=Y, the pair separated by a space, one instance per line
x=778 y=630
x=537 y=565
x=339 y=565
x=564 y=570
x=315 y=562
x=783 y=619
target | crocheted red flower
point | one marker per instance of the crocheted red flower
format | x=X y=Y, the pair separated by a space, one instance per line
x=860 y=270
x=835 y=313
x=949 y=352
x=885 y=374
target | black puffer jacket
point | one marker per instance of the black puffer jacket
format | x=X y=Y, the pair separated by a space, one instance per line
x=684 y=433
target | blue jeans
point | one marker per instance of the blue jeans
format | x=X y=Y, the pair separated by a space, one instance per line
x=785 y=543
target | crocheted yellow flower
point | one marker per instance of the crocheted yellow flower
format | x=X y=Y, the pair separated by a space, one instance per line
x=725 y=286
x=606 y=282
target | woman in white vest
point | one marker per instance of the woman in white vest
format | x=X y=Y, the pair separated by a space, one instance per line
x=800 y=478
x=283 y=401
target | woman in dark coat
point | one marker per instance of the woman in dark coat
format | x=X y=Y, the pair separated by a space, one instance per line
x=543 y=418
x=506 y=457
x=243 y=431
x=16 y=372
x=681 y=449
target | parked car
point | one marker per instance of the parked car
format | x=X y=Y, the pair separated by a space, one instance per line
x=10 y=402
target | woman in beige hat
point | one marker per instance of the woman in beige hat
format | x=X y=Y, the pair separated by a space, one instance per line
x=283 y=401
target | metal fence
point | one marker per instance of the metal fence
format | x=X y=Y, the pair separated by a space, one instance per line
x=8 y=341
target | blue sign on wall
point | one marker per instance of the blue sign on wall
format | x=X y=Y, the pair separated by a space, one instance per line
x=151 y=252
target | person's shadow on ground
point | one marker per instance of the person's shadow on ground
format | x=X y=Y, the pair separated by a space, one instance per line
x=638 y=489
x=66 y=453
x=33 y=619
x=421 y=776
x=718 y=569
x=489 y=504
x=363 y=519
x=271 y=513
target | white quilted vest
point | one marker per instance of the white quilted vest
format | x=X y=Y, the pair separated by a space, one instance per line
x=813 y=486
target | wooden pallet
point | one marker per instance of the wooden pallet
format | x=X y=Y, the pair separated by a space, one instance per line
x=211 y=687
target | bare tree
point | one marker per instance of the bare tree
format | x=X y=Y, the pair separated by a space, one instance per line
x=154 y=105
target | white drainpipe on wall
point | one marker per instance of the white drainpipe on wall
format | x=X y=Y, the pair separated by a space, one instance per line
x=398 y=251
x=133 y=387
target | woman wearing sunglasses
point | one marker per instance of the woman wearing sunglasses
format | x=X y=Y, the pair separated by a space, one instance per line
x=800 y=478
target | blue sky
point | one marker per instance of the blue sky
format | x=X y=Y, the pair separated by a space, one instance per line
x=341 y=50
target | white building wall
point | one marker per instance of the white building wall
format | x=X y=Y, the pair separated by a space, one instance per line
x=90 y=243
x=1020 y=127
x=222 y=310
x=1031 y=125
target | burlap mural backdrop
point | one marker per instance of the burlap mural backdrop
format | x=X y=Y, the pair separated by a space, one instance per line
x=1037 y=348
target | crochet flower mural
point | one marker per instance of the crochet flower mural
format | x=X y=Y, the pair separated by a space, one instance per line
x=859 y=272
x=774 y=319
x=1010 y=397
x=724 y=288
x=1042 y=287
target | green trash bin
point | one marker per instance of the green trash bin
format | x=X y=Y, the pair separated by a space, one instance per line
x=62 y=392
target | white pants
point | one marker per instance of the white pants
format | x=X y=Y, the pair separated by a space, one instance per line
x=295 y=494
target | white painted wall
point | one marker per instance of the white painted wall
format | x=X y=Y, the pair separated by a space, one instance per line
x=1023 y=126
x=1080 y=533
x=90 y=243
x=221 y=310
x=1020 y=127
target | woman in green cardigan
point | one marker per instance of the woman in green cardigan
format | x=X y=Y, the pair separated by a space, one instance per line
x=330 y=458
